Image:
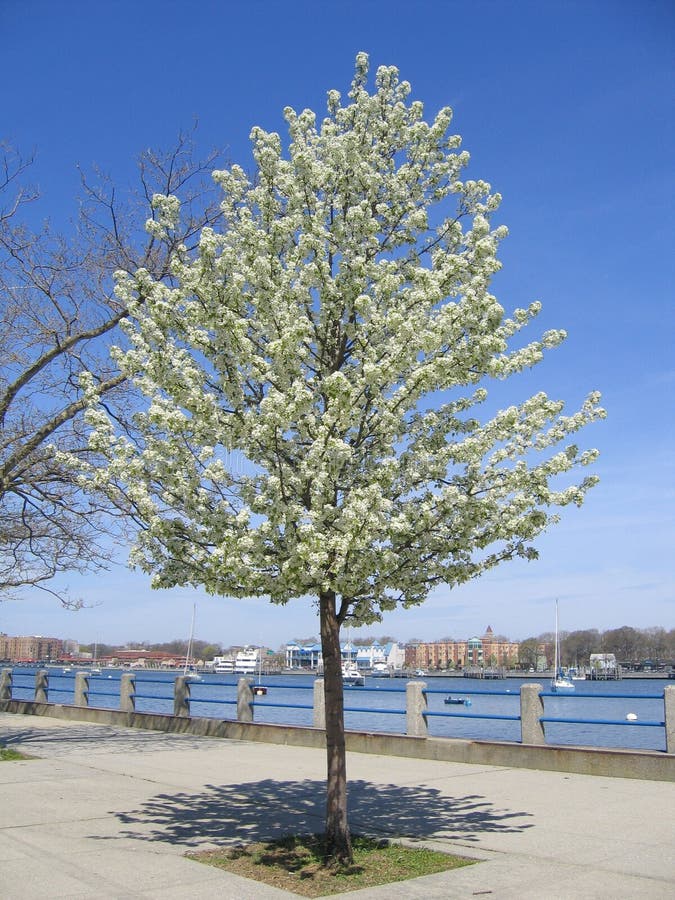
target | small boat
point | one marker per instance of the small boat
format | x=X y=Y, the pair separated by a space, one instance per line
x=380 y=670
x=561 y=683
x=457 y=701
x=188 y=672
x=259 y=689
x=352 y=676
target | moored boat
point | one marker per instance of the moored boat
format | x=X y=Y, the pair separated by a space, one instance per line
x=352 y=676
x=457 y=701
x=561 y=683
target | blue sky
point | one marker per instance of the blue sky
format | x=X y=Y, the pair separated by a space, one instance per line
x=565 y=108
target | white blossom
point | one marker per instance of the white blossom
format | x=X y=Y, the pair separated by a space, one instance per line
x=337 y=336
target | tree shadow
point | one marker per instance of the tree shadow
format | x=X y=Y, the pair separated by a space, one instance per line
x=93 y=738
x=268 y=809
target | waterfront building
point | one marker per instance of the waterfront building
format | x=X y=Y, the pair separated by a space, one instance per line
x=487 y=650
x=604 y=666
x=365 y=656
x=375 y=656
x=142 y=659
x=303 y=656
x=30 y=648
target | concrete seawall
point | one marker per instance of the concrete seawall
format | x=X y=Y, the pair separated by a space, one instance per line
x=646 y=765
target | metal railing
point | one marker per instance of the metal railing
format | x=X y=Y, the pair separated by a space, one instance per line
x=531 y=714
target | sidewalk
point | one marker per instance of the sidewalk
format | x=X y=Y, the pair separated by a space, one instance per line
x=110 y=812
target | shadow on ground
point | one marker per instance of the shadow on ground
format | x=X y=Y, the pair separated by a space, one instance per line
x=267 y=809
x=90 y=739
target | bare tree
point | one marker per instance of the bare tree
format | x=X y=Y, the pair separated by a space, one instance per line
x=578 y=646
x=528 y=651
x=58 y=316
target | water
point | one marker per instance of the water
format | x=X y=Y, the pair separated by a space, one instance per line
x=380 y=706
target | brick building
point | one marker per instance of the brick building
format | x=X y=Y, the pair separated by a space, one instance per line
x=30 y=648
x=487 y=650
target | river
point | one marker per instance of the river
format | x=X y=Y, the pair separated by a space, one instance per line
x=380 y=705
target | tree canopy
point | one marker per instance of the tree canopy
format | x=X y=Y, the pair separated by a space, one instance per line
x=315 y=374
x=337 y=332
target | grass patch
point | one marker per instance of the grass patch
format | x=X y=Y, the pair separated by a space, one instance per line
x=296 y=864
x=6 y=754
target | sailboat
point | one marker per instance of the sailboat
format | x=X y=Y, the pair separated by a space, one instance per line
x=350 y=670
x=259 y=689
x=561 y=683
x=187 y=671
x=95 y=668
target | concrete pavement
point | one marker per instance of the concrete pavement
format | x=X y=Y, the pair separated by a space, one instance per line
x=110 y=812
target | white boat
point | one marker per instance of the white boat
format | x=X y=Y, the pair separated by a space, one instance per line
x=223 y=665
x=351 y=675
x=561 y=683
x=246 y=661
x=259 y=689
x=380 y=670
x=188 y=672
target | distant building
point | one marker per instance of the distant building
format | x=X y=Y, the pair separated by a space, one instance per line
x=487 y=650
x=603 y=662
x=366 y=656
x=143 y=659
x=377 y=656
x=303 y=656
x=30 y=648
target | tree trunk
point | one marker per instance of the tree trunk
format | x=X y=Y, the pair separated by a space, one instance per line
x=338 y=840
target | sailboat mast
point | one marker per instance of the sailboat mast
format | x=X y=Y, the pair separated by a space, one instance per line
x=191 y=638
x=555 y=646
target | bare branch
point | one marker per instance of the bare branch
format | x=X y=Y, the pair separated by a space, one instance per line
x=59 y=316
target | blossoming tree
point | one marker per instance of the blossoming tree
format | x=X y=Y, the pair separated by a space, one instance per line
x=335 y=336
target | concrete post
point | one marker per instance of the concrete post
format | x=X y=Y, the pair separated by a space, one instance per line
x=244 y=700
x=41 y=686
x=531 y=710
x=128 y=692
x=319 y=705
x=181 y=698
x=81 y=689
x=6 y=684
x=669 y=717
x=416 y=706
